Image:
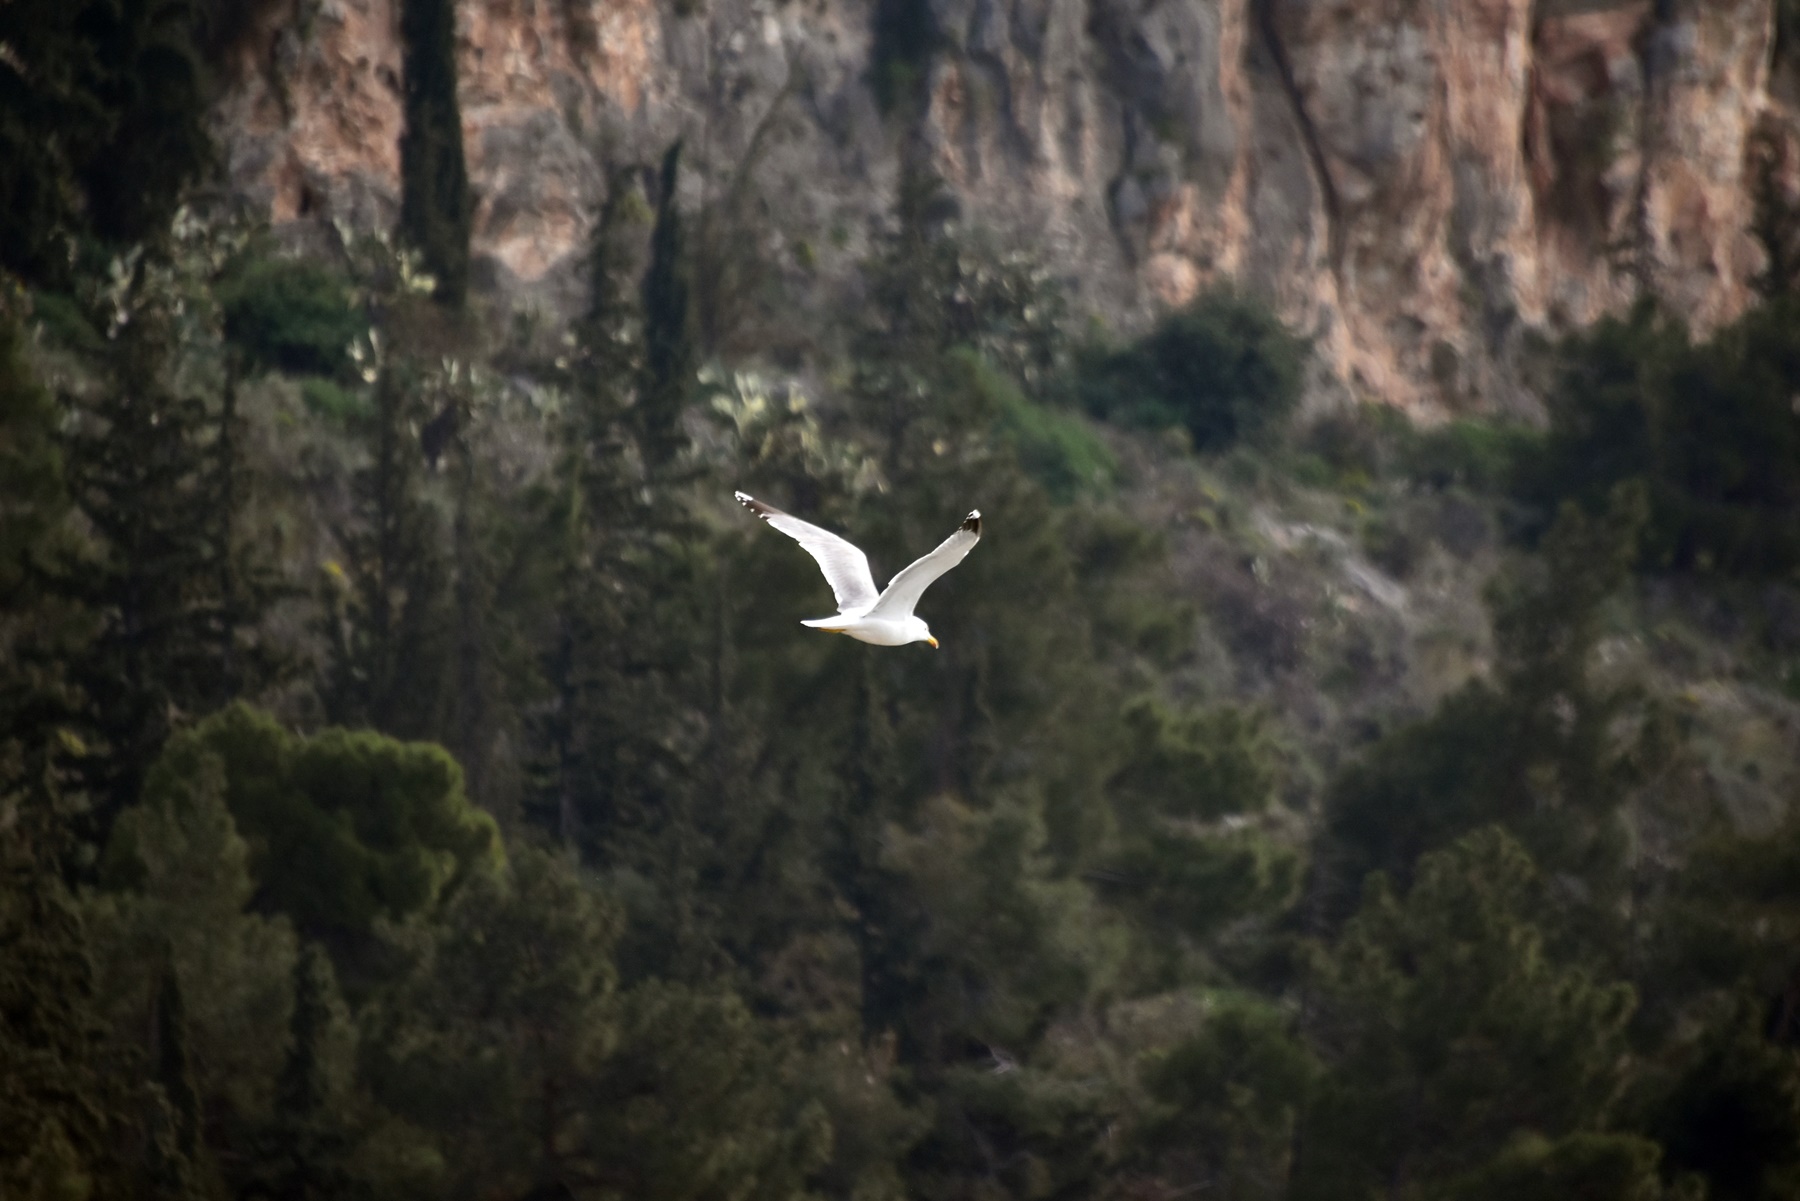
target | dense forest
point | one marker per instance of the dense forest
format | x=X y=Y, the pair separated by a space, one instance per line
x=414 y=782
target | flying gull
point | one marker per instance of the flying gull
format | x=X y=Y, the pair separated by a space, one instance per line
x=884 y=619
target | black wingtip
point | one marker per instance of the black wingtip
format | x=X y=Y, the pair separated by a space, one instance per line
x=972 y=522
x=756 y=506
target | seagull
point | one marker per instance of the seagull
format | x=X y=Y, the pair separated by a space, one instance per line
x=884 y=619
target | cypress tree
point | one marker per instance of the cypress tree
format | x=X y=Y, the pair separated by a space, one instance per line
x=301 y=1091
x=303 y=1154
x=174 y=1126
x=435 y=206
x=173 y=1071
x=668 y=338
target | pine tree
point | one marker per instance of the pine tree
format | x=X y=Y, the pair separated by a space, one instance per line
x=31 y=484
x=436 y=210
x=149 y=470
x=1447 y=1028
x=40 y=631
x=388 y=662
x=183 y=969
x=500 y=1021
x=478 y=719
x=51 y=123
x=1228 y=1100
x=102 y=124
x=346 y=826
x=609 y=336
x=63 y=1112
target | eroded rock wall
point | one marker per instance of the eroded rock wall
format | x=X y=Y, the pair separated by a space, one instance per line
x=1419 y=184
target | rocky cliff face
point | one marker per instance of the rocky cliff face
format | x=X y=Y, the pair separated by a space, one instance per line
x=1418 y=183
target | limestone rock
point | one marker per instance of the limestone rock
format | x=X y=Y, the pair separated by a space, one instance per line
x=1418 y=184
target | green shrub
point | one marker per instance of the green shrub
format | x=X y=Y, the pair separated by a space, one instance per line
x=290 y=314
x=326 y=399
x=1393 y=545
x=1362 y=441
x=1056 y=448
x=1710 y=427
x=1224 y=368
x=1058 y=451
x=1726 y=437
x=64 y=322
x=1599 y=432
x=1482 y=456
x=1195 y=764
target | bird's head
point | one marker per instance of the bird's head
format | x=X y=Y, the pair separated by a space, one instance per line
x=922 y=633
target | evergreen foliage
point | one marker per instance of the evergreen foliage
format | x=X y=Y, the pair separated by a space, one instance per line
x=346 y=826
x=1203 y=857
x=669 y=357
x=38 y=633
x=1708 y=427
x=1223 y=368
x=291 y=314
x=306 y=1153
x=1542 y=748
x=154 y=89
x=502 y=1022
x=174 y=1072
x=387 y=659
x=102 y=123
x=936 y=287
x=903 y=37
x=1228 y=1099
x=152 y=469
x=173 y=914
x=1447 y=1029
x=436 y=209
x=63 y=1112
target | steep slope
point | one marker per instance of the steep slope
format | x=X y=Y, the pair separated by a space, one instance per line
x=1418 y=184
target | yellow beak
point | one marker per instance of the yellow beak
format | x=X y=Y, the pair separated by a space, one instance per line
x=933 y=642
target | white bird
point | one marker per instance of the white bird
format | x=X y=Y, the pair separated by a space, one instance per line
x=884 y=619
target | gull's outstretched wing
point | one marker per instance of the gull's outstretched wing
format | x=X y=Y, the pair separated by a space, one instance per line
x=846 y=568
x=904 y=590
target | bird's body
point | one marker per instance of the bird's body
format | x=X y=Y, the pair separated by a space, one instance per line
x=880 y=619
x=874 y=630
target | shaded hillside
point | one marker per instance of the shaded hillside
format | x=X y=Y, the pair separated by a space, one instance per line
x=418 y=785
